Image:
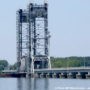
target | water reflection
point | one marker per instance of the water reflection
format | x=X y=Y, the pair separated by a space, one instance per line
x=19 y=84
x=32 y=84
x=42 y=84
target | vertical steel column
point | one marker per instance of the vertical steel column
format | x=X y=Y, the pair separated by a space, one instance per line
x=29 y=41
x=47 y=37
x=19 y=38
x=34 y=38
x=30 y=67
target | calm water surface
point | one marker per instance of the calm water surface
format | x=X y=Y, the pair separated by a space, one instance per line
x=44 y=84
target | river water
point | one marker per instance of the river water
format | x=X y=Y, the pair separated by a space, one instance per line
x=44 y=84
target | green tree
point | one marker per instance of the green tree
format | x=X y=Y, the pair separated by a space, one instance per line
x=3 y=64
x=70 y=62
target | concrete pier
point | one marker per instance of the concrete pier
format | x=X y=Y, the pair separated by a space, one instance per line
x=70 y=75
x=54 y=75
x=78 y=76
x=63 y=75
x=88 y=75
x=47 y=75
x=41 y=75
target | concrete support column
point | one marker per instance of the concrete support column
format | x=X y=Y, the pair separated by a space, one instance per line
x=78 y=76
x=41 y=75
x=88 y=75
x=54 y=75
x=59 y=75
x=32 y=75
x=69 y=75
x=47 y=75
x=28 y=75
x=36 y=75
x=63 y=75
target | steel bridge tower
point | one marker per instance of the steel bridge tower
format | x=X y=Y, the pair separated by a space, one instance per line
x=33 y=38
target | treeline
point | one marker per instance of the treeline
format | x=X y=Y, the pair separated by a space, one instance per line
x=70 y=62
x=56 y=62
x=3 y=64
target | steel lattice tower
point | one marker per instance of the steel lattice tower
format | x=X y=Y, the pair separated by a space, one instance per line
x=33 y=37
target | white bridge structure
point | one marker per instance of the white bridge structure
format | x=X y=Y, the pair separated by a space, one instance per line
x=33 y=38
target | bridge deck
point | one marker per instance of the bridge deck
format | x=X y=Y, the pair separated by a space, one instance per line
x=83 y=72
x=61 y=70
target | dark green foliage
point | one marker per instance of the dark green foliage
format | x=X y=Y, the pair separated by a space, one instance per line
x=70 y=62
x=13 y=67
x=55 y=63
x=1 y=67
x=3 y=64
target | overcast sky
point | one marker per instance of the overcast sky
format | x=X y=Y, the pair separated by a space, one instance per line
x=69 y=24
